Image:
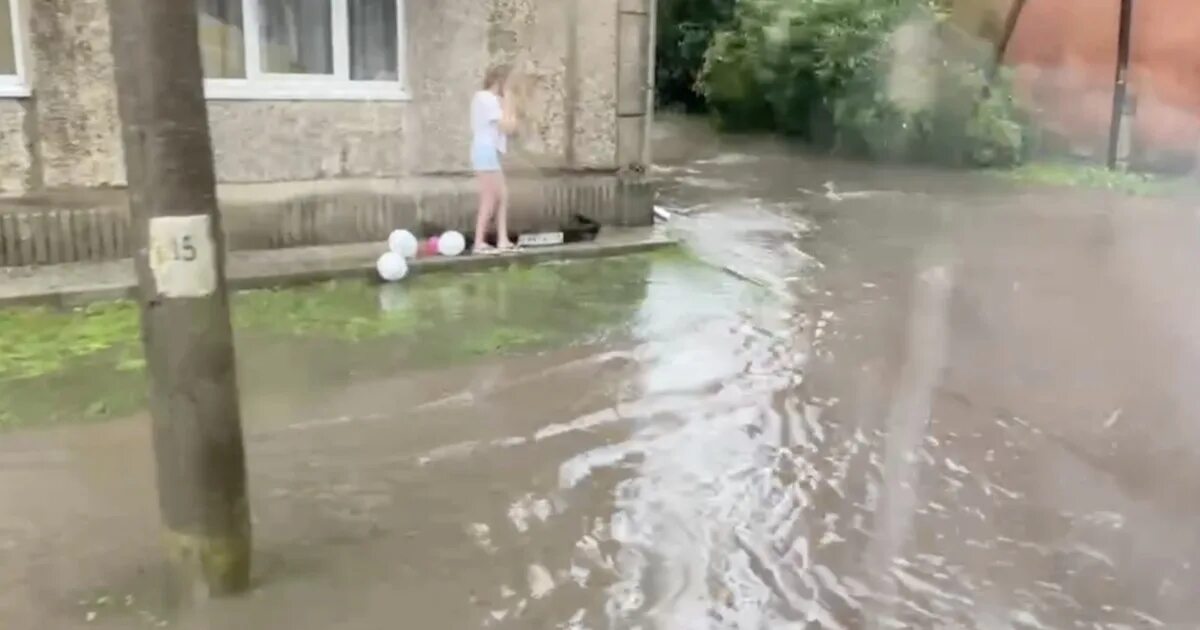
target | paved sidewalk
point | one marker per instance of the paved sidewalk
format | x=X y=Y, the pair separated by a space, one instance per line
x=80 y=283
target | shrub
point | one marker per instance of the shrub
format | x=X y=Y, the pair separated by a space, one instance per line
x=867 y=77
x=685 y=31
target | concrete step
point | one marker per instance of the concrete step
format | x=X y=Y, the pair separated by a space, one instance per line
x=71 y=229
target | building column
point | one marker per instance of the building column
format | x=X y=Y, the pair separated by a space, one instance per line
x=75 y=99
x=634 y=89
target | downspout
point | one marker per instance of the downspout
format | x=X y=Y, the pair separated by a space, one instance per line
x=651 y=81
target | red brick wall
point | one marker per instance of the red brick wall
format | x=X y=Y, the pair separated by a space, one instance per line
x=1064 y=54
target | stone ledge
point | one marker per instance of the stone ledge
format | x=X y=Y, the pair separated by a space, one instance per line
x=77 y=284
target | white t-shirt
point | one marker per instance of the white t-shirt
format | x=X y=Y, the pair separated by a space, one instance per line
x=486 y=113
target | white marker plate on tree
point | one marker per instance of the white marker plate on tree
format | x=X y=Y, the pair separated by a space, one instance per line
x=183 y=256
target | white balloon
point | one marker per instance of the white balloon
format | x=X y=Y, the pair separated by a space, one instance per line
x=403 y=242
x=392 y=267
x=452 y=244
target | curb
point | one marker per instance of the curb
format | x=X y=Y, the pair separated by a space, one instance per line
x=115 y=280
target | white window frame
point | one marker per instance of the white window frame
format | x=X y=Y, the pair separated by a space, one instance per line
x=259 y=85
x=15 y=85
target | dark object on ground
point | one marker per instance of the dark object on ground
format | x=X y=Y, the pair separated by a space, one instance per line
x=580 y=229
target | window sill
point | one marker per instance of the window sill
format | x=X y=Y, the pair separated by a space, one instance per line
x=304 y=90
x=14 y=90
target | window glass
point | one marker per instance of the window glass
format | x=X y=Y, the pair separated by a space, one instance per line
x=222 y=40
x=8 y=52
x=296 y=36
x=373 y=41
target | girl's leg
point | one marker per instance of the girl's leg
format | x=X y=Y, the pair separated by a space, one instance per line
x=502 y=239
x=487 y=206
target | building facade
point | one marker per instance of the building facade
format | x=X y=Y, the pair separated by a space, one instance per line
x=307 y=90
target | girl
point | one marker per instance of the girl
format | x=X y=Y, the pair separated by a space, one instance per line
x=492 y=120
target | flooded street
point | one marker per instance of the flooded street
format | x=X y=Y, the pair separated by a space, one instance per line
x=909 y=399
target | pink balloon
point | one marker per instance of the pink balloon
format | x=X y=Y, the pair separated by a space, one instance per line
x=431 y=246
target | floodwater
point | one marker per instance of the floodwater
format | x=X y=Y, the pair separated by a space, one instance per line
x=915 y=399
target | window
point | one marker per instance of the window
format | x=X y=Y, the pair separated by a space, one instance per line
x=303 y=49
x=12 y=75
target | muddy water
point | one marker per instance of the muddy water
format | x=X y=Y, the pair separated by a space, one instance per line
x=912 y=400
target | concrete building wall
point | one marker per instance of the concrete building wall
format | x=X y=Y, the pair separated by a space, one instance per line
x=566 y=52
x=447 y=53
x=75 y=129
x=534 y=36
x=633 y=82
x=16 y=163
x=596 y=111
x=256 y=141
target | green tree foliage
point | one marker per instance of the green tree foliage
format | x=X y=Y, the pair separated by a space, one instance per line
x=838 y=73
x=685 y=31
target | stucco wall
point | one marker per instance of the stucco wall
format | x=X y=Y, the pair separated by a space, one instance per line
x=450 y=44
x=447 y=47
x=596 y=111
x=257 y=141
x=533 y=35
x=15 y=159
x=75 y=98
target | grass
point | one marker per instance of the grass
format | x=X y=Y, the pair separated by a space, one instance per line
x=87 y=364
x=37 y=341
x=1089 y=176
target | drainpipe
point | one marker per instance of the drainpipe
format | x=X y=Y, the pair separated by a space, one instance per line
x=651 y=61
x=1121 y=109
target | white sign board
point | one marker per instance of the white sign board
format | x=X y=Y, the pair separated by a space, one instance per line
x=541 y=239
x=183 y=256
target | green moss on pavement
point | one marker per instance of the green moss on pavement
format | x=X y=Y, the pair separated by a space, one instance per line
x=86 y=364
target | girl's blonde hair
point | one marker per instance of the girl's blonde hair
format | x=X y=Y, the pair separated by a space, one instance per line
x=496 y=76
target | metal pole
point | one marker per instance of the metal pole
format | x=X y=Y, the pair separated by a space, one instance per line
x=180 y=262
x=1121 y=83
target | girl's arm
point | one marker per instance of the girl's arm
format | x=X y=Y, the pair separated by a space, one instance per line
x=508 y=115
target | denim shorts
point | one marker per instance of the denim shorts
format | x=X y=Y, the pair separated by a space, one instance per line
x=485 y=158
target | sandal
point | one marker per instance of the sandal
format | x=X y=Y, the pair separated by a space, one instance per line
x=484 y=250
